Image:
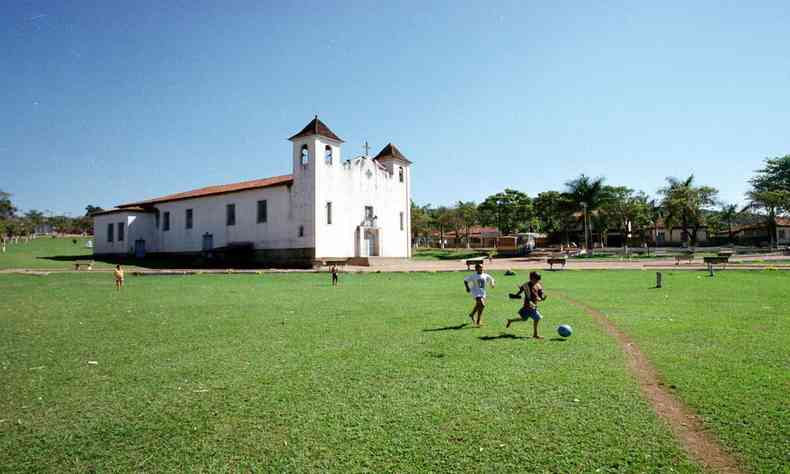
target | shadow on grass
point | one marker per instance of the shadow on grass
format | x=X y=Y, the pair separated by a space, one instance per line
x=513 y=336
x=449 y=328
x=502 y=336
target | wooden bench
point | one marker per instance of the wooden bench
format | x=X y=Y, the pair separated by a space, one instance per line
x=689 y=257
x=726 y=253
x=474 y=261
x=556 y=261
x=326 y=262
x=87 y=264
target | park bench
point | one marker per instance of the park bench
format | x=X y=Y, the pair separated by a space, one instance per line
x=326 y=262
x=687 y=256
x=87 y=264
x=474 y=261
x=556 y=261
x=726 y=253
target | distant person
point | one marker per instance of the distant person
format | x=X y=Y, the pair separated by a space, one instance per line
x=2 y=245
x=333 y=271
x=533 y=294
x=118 y=277
x=476 y=284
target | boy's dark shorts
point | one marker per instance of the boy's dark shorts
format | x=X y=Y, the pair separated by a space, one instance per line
x=529 y=313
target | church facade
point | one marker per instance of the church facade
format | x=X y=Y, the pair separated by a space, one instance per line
x=328 y=207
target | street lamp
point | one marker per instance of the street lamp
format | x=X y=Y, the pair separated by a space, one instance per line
x=586 y=243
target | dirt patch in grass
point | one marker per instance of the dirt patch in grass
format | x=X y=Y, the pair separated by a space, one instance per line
x=684 y=423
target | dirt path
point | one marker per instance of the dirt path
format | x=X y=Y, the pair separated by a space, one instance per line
x=700 y=444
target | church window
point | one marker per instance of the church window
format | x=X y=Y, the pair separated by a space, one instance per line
x=262 y=212
x=110 y=232
x=400 y=173
x=230 y=214
x=329 y=213
x=120 y=231
x=328 y=155
x=189 y=216
x=166 y=221
x=401 y=221
x=305 y=155
x=301 y=231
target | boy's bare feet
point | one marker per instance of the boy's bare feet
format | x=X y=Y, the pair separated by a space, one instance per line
x=472 y=318
x=508 y=324
x=537 y=337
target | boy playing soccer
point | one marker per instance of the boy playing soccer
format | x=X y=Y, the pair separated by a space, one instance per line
x=533 y=293
x=118 y=277
x=476 y=284
x=333 y=270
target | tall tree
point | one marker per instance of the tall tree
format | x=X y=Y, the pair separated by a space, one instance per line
x=90 y=209
x=586 y=195
x=683 y=204
x=442 y=221
x=420 y=221
x=467 y=216
x=508 y=211
x=772 y=203
x=35 y=217
x=770 y=192
x=551 y=209
x=7 y=209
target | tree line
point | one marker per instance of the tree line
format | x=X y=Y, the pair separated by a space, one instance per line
x=13 y=223
x=586 y=204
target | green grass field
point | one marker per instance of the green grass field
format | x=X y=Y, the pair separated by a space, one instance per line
x=280 y=372
x=47 y=253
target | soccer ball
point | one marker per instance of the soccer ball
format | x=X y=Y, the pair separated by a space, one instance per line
x=565 y=330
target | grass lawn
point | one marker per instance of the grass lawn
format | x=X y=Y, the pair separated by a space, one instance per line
x=46 y=252
x=280 y=372
x=724 y=342
x=447 y=254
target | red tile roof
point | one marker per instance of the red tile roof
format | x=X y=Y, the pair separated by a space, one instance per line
x=316 y=127
x=391 y=151
x=214 y=190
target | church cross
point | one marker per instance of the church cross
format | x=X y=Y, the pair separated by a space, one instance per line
x=366 y=147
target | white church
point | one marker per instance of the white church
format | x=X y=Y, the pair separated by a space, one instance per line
x=327 y=207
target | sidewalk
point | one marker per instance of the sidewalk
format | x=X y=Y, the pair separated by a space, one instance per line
x=518 y=263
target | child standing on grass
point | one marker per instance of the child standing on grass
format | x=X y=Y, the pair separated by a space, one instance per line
x=476 y=284
x=118 y=277
x=533 y=293
x=333 y=270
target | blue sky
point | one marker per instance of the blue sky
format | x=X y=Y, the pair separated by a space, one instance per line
x=107 y=102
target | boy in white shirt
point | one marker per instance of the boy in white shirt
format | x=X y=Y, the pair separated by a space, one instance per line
x=476 y=284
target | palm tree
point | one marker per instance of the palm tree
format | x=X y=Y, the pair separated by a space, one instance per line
x=728 y=214
x=683 y=204
x=587 y=195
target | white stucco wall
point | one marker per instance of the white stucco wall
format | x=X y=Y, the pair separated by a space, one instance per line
x=138 y=225
x=350 y=186
x=280 y=231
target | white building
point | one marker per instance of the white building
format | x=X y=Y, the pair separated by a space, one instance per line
x=328 y=207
